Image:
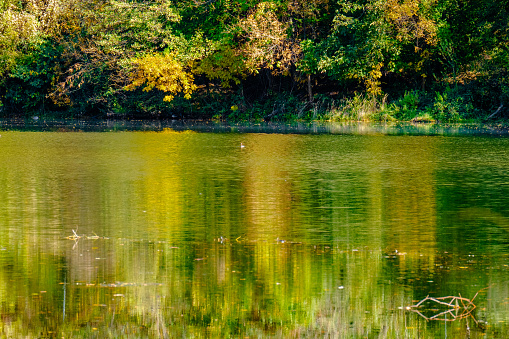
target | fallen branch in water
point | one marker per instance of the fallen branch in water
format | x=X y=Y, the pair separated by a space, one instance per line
x=74 y=237
x=77 y=237
x=452 y=307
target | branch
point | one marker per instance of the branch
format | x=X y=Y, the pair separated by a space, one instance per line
x=495 y=113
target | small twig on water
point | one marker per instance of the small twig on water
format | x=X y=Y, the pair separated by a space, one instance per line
x=74 y=237
x=95 y=236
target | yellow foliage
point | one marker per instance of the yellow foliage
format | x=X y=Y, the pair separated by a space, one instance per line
x=162 y=72
x=410 y=20
x=373 y=84
x=268 y=45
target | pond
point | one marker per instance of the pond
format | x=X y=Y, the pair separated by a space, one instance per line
x=176 y=230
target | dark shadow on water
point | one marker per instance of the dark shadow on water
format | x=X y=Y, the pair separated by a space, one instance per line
x=346 y=128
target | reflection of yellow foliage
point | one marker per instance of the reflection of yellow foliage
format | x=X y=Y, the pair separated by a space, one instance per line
x=172 y=131
x=410 y=208
x=169 y=130
x=163 y=72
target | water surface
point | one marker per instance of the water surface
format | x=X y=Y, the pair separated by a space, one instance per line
x=181 y=233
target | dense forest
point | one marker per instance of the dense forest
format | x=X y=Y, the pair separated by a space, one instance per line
x=421 y=60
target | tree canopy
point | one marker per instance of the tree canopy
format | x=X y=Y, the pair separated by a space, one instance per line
x=270 y=59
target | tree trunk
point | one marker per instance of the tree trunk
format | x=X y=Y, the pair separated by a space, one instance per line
x=310 y=89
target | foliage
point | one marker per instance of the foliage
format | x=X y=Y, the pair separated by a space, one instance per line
x=224 y=64
x=83 y=55
x=406 y=107
x=31 y=78
x=448 y=105
x=267 y=44
x=371 y=38
x=359 y=107
x=121 y=27
x=162 y=72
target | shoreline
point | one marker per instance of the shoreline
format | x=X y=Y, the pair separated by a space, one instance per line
x=214 y=126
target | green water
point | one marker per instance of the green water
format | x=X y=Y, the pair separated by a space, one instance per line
x=166 y=234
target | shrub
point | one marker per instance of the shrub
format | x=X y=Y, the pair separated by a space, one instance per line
x=406 y=108
x=444 y=109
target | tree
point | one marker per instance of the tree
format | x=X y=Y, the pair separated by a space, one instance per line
x=163 y=72
x=369 y=38
x=98 y=57
x=267 y=44
x=224 y=64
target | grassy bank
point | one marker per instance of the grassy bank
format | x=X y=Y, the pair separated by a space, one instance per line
x=446 y=106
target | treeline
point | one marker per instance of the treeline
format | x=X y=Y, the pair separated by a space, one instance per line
x=441 y=60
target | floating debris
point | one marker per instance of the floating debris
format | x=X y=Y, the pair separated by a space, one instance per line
x=453 y=309
x=450 y=308
x=74 y=237
x=77 y=237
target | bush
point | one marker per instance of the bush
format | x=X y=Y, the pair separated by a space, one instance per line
x=359 y=107
x=454 y=105
x=405 y=108
x=31 y=79
x=444 y=110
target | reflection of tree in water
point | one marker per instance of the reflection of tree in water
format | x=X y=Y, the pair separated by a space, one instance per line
x=409 y=200
x=485 y=217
